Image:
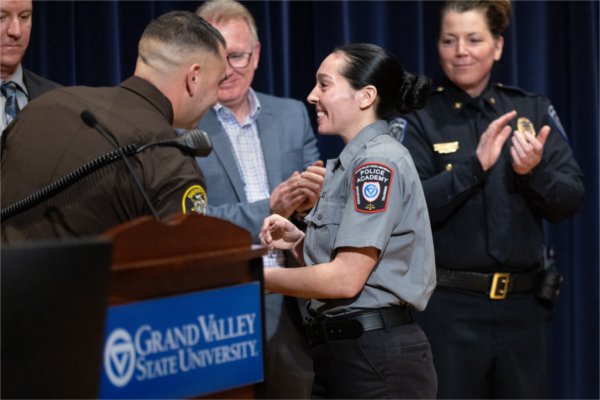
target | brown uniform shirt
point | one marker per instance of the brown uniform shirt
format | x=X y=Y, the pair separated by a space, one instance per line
x=48 y=140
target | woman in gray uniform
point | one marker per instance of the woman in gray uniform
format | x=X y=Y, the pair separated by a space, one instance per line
x=368 y=245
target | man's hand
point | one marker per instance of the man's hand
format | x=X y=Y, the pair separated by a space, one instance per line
x=287 y=196
x=310 y=184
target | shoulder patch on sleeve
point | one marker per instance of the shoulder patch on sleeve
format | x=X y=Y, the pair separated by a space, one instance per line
x=397 y=127
x=194 y=200
x=554 y=117
x=371 y=184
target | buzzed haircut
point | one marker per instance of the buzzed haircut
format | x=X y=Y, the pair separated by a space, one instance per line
x=185 y=30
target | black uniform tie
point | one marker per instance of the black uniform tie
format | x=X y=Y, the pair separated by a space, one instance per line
x=11 y=107
x=495 y=193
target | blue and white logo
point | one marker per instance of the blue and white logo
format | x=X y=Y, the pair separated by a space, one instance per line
x=371 y=191
x=184 y=346
x=119 y=357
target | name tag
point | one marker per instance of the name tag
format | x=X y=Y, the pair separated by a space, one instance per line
x=445 y=148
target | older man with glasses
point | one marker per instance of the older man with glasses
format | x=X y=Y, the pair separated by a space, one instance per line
x=264 y=160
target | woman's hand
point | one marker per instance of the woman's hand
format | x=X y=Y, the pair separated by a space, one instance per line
x=527 y=150
x=492 y=140
x=279 y=233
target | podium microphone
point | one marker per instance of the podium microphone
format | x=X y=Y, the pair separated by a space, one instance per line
x=92 y=122
x=193 y=142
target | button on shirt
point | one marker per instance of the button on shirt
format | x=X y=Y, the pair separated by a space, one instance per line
x=249 y=158
x=405 y=272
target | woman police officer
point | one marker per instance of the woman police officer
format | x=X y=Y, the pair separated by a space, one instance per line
x=487 y=196
x=368 y=243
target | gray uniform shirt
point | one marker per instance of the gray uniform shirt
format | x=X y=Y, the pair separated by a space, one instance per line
x=372 y=197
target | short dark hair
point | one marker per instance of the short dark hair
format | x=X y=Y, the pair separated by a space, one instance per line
x=398 y=91
x=496 y=12
x=185 y=29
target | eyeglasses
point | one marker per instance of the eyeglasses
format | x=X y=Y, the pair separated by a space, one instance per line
x=239 y=60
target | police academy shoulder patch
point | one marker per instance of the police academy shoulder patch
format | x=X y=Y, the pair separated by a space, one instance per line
x=371 y=185
x=194 y=200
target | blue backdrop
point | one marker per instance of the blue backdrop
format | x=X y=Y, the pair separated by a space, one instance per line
x=551 y=48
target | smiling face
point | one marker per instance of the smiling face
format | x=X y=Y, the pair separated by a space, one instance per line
x=468 y=50
x=15 y=25
x=336 y=102
x=233 y=91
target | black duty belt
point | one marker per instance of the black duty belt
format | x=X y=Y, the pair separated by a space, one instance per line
x=352 y=326
x=496 y=284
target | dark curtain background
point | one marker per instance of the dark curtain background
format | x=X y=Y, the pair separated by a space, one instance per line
x=551 y=48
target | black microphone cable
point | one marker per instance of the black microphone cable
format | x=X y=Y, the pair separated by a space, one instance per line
x=194 y=142
x=67 y=180
x=92 y=122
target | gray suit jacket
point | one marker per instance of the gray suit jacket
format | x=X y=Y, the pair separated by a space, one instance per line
x=288 y=145
x=36 y=85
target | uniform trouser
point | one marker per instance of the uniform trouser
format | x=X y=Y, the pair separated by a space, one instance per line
x=288 y=366
x=484 y=348
x=380 y=364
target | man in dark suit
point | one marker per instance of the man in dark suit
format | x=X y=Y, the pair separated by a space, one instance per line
x=19 y=85
x=263 y=146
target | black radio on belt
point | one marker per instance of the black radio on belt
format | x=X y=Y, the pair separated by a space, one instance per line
x=552 y=279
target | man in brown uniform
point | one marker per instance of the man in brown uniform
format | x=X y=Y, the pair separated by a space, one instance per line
x=181 y=61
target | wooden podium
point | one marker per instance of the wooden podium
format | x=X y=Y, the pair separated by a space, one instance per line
x=152 y=259
x=189 y=253
x=56 y=327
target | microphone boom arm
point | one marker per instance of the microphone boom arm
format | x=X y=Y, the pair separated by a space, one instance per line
x=195 y=143
x=64 y=182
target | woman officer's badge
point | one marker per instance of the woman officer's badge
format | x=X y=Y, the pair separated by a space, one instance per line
x=524 y=125
x=371 y=186
x=194 y=200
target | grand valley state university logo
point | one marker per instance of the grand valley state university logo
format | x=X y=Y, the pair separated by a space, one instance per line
x=184 y=346
x=119 y=357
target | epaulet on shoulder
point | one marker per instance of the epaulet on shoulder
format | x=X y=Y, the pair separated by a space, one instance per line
x=514 y=89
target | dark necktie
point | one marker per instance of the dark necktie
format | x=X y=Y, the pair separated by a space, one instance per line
x=495 y=193
x=11 y=107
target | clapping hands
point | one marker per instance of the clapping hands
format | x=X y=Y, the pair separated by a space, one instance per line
x=299 y=192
